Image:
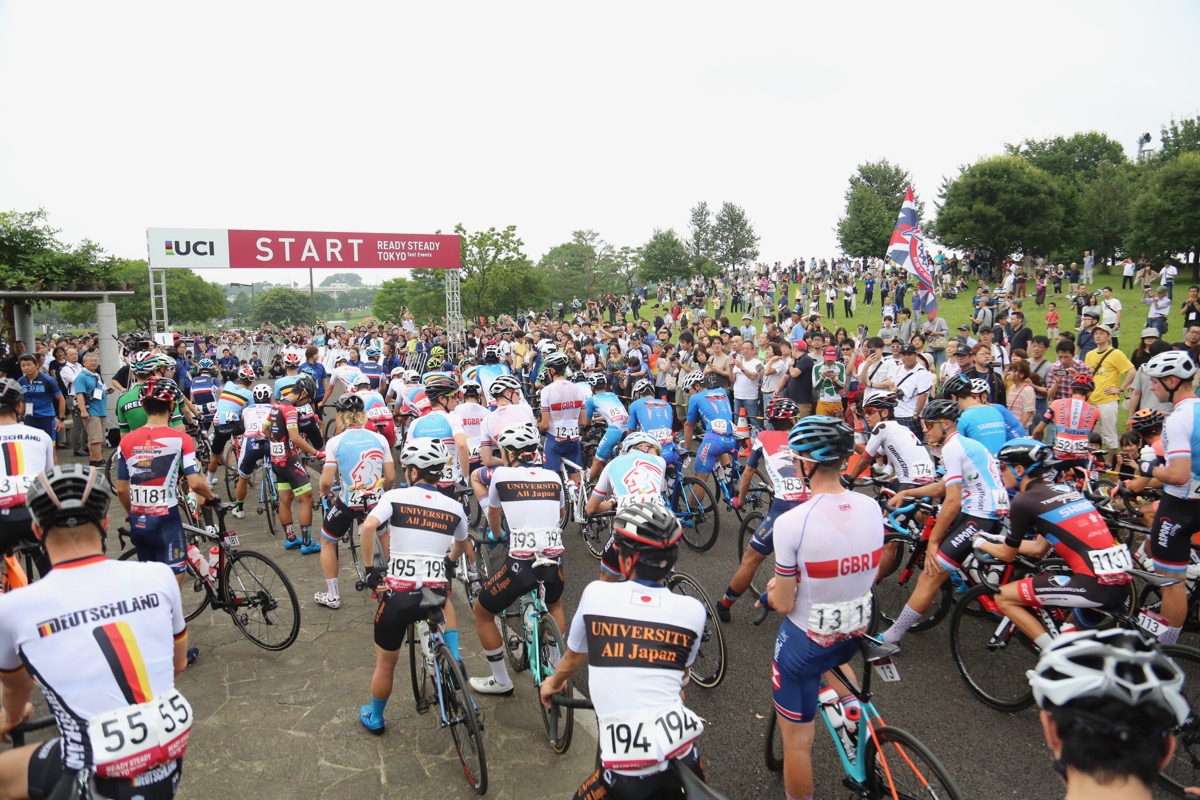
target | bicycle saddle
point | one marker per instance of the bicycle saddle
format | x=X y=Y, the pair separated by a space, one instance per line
x=431 y=600
x=1153 y=578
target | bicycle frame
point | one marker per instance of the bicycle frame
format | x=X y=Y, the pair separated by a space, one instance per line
x=579 y=501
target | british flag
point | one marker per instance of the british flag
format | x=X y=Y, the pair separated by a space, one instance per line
x=907 y=248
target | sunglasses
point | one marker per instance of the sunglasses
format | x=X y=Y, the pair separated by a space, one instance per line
x=927 y=425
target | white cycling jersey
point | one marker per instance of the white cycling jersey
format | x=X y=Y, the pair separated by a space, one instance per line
x=532 y=498
x=25 y=452
x=421 y=523
x=639 y=639
x=632 y=477
x=345 y=374
x=969 y=464
x=831 y=545
x=472 y=416
x=562 y=399
x=500 y=420
x=256 y=420
x=1179 y=441
x=910 y=460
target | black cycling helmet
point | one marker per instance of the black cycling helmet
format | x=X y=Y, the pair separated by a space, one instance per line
x=942 y=409
x=67 y=496
x=1147 y=420
x=351 y=403
x=440 y=386
x=164 y=390
x=649 y=531
x=306 y=384
x=958 y=386
x=821 y=439
x=782 y=408
x=1025 y=452
x=11 y=393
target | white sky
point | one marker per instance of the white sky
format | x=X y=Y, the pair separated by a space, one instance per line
x=406 y=117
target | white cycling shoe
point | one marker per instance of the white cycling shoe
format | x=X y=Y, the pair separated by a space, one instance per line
x=488 y=685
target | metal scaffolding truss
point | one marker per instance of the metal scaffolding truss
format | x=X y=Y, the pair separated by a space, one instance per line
x=456 y=329
x=158 y=302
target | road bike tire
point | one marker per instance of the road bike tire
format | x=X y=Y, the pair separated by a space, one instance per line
x=271 y=505
x=773 y=749
x=708 y=670
x=552 y=647
x=194 y=592
x=110 y=471
x=463 y=718
x=230 y=470
x=913 y=769
x=698 y=517
x=750 y=524
x=896 y=581
x=596 y=532
x=1184 y=769
x=1151 y=598
x=991 y=659
x=512 y=630
x=261 y=600
x=203 y=449
x=424 y=692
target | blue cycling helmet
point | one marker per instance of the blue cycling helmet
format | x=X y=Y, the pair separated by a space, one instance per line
x=204 y=365
x=1025 y=452
x=821 y=439
x=373 y=352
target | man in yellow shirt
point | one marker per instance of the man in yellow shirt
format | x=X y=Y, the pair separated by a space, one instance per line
x=1109 y=368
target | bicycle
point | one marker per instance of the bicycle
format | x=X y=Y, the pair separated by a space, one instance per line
x=230 y=461
x=592 y=530
x=268 y=499
x=708 y=670
x=352 y=542
x=886 y=762
x=245 y=584
x=438 y=680
x=693 y=504
x=19 y=566
x=905 y=546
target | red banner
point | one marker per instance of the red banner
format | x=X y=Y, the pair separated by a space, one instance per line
x=321 y=250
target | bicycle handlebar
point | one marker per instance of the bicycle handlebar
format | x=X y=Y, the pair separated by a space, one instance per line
x=571 y=702
x=17 y=734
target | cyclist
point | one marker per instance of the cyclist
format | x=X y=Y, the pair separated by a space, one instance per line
x=564 y=412
x=360 y=460
x=772 y=451
x=605 y=404
x=1178 y=515
x=25 y=451
x=975 y=500
x=371 y=367
x=1111 y=704
x=379 y=416
x=343 y=373
x=307 y=415
x=909 y=460
x=976 y=419
x=397 y=383
x=637 y=475
x=144 y=365
x=645 y=688
x=655 y=417
x=256 y=425
x=711 y=405
x=1147 y=423
x=472 y=415
x=110 y=677
x=531 y=499
x=1063 y=519
x=489 y=370
x=204 y=393
x=441 y=424
x=228 y=423
x=285 y=444
x=437 y=361
x=423 y=532
x=826 y=555
x=580 y=379
x=1074 y=420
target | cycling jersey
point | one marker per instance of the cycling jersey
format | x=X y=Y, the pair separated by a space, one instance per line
x=532 y=498
x=416 y=400
x=305 y=410
x=485 y=374
x=608 y=406
x=40 y=394
x=359 y=456
x=711 y=405
x=373 y=371
x=231 y=402
x=656 y=418
x=771 y=449
x=1181 y=439
x=283 y=420
x=98 y=635
x=1073 y=420
x=345 y=374
x=910 y=461
x=1073 y=527
x=256 y=420
x=131 y=415
x=969 y=464
x=440 y=425
x=283 y=383
x=421 y=524
x=1013 y=429
x=151 y=461
x=500 y=420
x=25 y=452
x=639 y=638
x=630 y=477
x=562 y=400
x=379 y=415
x=204 y=395
x=316 y=371
x=984 y=424
x=472 y=416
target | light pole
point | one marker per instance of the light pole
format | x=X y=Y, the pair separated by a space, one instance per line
x=249 y=286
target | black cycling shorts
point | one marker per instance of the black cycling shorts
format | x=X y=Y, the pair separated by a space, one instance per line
x=292 y=476
x=516 y=578
x=338 y=520
x=398 y=610
x=956 y=544
x=223 y=433
x=610 y=785
x=158 y=783
x=1072 y=591
x=311 y=430
x=1170 y=535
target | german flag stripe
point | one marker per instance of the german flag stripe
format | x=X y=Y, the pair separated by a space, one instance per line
x=124 y=658
x=13 y=462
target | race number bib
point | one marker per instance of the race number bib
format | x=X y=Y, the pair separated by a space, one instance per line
x=278 y=450
x=791 y=489
x=1064 y=445
x=645 y=738
x=1112 y=564
x=12 y=490
x=379 y=412
x=529 y=543
x=148 y=499
x=662 y=434
x=210 y=408
x=921 y=470
x=128 y=742
x=566 y=431
x=408 y=573
x=719 y=427
x=305 y=410
x=1193 y=488
x=361 y=498
x=829 y=623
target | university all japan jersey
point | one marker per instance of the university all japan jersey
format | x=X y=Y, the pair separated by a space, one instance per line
x=151 y=460
x=562 y=399
x=232 y=400
x=421 y=523
x=25 y=452
x=440 y=425
x=359 y=456
x=204 y=394
x=632 y=477
x=969 y=465
x=771 y=449
x=532 y=498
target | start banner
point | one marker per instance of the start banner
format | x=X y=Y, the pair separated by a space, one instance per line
x=218 y=248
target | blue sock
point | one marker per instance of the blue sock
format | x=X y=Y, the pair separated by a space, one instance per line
x=377 y=707
x=451 y=639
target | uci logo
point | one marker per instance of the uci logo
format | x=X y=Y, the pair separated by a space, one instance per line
x=178 y=248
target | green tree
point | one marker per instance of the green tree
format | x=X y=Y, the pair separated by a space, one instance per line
x=190 y=298
x=1165 y=218
x=282 y=305
x=1075 y=159
x=490 y=260
x=627 y=262
x=427 y=295
x=510 y=286
x=665 y=257
x=701 y=240
x=1102 y=221
x=390 y=300
x=1179 y=137
x=734 y=241
x=873 y=200
x=584 y=266
x=1003 y=204
x=348 y=278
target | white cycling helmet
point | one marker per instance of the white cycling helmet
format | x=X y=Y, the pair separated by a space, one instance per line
x=1115 y=664
x=557 y=361
x=640 y=437
x=980 y=386
x=546 y=346
x=519 y=437
x=397 y=372
x=261 y=393
x=691 y=379
x=1173 y=363
x=426 y=455
x=503 y=383
x=361 y=381
x=412 y=376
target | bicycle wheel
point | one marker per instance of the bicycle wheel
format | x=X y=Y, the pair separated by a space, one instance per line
x=463 y=720
x=261 y=600
x=897 y=579
x=512 y=630
x=552 y=647
x=193 y=592
x=596 y=533
x=1184 y=768
x=750 y=524
x=110 y=471
x=698 y=516
x=230 y=470
x=898 y=765
x=774 y=744
x=709 y=668
x=991 y=654
x=420 y=670
x=270 y=504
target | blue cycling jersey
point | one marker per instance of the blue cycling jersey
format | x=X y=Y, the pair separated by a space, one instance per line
x=373 y=371
x=485 y=374
x=655 y=417
x=607 y=405
x=984 y=424
x=360 y=455
x=231 y=402
x=1013 y=428
x=204 y=394
x=40 y=394
x=283 y=383
x=711 y=405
